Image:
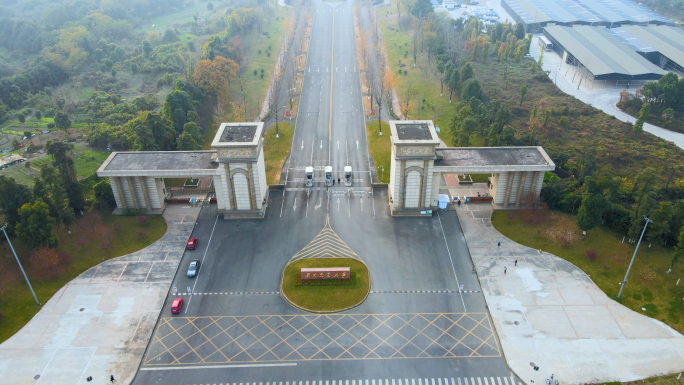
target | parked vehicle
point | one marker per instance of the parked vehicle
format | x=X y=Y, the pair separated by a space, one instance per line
x=192 y=243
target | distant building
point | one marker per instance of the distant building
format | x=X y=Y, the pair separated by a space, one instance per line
x=449 y=4
x=434 y=3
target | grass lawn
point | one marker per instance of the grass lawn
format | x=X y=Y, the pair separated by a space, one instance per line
x=276 y=150
x=255 y=85
x=326 y=298
x=94 y=238
x=423 y=78
x=649 y=286
x=380 y=148
x=664 y=380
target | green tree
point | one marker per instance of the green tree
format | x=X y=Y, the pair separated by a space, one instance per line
x=678 y=249
x=644 y=114
x=38 y=115
x=104 y=196
x=466 y=73
x=12 y=196
x=453 y=81
x=35 y=225
x=51 y=189
x=62 y=120
x=471 y=89
x=21 y=118
x=591 y=211
x=65 y=164
x=175 y=109
x=523 y=92
x=146 y=48
x=507 y=137
x=210 y=6
x=28 y=134
x=644 y=200
x=169 y=37
x=520 y=31
x=659 y=229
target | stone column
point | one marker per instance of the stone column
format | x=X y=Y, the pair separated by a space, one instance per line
x=250 y=187
x=119 y=197
x=523 y=177
x=146 y=197
x=509 y=187
x=131 y=190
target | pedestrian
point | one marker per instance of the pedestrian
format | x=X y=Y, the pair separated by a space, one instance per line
x=338 y=180
x=499 y=244
x=333 y=181
x=89 y=378
x=111 y=379
x=459 y=203
x=516 y=263
x=478 y=194
x=505 y=269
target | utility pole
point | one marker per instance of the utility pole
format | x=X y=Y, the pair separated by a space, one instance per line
x=624 y=282
x=21 y=267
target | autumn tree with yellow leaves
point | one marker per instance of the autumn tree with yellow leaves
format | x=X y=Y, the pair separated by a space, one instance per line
x=214 y=76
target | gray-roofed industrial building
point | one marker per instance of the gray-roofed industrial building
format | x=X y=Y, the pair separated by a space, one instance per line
x=662 y=45
x=536 y=14
x=599 y=55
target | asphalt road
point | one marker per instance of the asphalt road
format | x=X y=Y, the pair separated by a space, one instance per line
x=425 y=319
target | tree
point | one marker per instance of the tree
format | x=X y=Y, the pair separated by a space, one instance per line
x=591 y=211
x=65 y=164
x=28 y=134
x=45 y=261
x=169 y=37
x=52 y=189
x=644 y=200
x=520 y=31
x=35 y=225
x=12 y=196
x=523 y=92
x=213 y=76
x=644 y=114
x=21 y=118
x=659 y=229
x=175 y=109
x=678 y=249
x=471 y=89
x=421 y=8
x=38 y=115
x=190 y=138
x=104 y=196
x=383 y=88
x=453 y=82
x=146 y=48
x=62 y=120
x=210 y=6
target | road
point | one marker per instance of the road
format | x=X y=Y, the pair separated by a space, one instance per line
x=425 y=321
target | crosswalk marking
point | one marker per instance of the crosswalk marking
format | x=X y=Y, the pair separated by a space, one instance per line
x=484 y=380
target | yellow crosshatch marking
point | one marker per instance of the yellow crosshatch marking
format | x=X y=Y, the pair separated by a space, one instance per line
x=327 y=244
x=269 y=338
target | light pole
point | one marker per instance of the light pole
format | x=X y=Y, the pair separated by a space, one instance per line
x=21 y=267
x=382 y=172
x=624 y=282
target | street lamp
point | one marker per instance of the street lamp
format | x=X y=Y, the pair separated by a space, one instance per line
x=383 y=173
x=635 y=251
x=21 y=267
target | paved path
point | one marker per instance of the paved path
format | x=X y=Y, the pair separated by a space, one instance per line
x=549 y=312
x=99 y=323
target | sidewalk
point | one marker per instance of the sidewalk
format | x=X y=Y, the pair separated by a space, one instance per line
x=99 y=323
x=549 y=313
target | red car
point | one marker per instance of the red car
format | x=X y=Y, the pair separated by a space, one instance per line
x=176 y=305
x=192 y=243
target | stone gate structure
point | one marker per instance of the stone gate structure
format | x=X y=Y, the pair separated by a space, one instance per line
x=418 y=166
x=235 y=163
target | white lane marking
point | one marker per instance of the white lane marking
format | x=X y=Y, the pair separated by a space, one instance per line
x=203 y=257
x=302 y=144
x=294 y=206
x=217 y=366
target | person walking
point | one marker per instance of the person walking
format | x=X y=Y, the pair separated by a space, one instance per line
x=516 y=263
x=111 y=379
x=505 y=269
x=498 y=244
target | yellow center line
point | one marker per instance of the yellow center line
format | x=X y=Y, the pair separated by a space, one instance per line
x=332 y=72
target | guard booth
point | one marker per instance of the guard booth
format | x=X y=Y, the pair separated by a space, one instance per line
x=309 y=176
x=328 y=176
x=348 y=176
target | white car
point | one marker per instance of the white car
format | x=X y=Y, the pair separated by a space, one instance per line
x=193 y=269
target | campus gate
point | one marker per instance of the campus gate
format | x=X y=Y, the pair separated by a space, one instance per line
x=235 y=163
x=419 y=163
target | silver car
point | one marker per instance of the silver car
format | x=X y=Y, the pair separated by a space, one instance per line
x=194 y=267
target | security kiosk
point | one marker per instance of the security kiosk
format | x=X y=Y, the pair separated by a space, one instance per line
x=328 y=176
x=309 y=176
x=348 y=176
